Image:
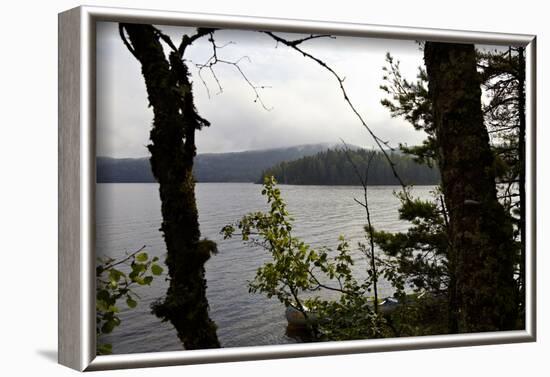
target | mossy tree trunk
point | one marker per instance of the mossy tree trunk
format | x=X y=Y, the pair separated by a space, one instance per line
x=482 y=248
x=172 y=151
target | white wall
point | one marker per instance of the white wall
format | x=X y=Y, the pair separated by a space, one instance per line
x=28 y=206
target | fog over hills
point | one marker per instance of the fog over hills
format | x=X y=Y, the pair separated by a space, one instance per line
x=246 y=166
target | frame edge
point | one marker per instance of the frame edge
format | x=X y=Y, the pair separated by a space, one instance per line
x=178 y=18
x=531 y=177
x=76 y=141
x=69 y=259
x=173 y=358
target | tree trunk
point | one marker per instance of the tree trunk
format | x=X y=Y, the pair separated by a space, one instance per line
x=482 y=247
x=172 y=154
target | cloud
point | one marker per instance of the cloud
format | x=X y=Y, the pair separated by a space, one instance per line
x=307 y=104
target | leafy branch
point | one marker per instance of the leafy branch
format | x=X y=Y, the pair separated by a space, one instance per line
x=113 y=285
x=296 y=268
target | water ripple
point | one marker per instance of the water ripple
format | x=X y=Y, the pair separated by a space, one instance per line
x=128 y=216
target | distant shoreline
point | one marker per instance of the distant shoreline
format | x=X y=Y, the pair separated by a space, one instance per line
x=307 y=165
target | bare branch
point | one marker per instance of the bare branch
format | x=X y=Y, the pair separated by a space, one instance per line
x=214 y=59
x=187 y=40
x=165 y=38
x=365 y=205
x=125 y=40
x=296 y=42
x=360 y=203
x=379 y=142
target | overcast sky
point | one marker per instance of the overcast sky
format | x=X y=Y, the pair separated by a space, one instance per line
x=306 y=103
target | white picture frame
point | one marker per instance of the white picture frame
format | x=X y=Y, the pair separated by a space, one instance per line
x=77 y=180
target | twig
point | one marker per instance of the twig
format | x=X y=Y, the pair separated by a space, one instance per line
x=379 y=142
x=214 y=59
x=364 y=183
x=108 y=266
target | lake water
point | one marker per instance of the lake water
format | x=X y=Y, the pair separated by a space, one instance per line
x=128 y=217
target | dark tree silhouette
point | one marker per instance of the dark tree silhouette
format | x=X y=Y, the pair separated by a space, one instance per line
x=336 y=167
x=482 y=249
x=481 y=253
x=503 y=76
x=172 y=151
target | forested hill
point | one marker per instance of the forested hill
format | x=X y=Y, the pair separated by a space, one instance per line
x=332 y=167
x=244 y=166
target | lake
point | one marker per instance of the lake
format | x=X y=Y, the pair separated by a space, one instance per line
x=128 y=217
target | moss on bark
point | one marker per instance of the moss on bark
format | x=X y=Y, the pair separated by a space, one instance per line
x=172 y=154
x=484 y=294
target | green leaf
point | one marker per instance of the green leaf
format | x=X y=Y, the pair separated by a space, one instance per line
x=131 y=302
x=101 y=305
x=144 y=281
x=108 y=327
x=139 y=267
x=156 y=269
x=115 y=275
x=105 y=349
x=142 y=257
x=147 y=280
x=103 y=295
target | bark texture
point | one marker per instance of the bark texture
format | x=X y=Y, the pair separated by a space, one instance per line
x=484 y=294
x=172 y=154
